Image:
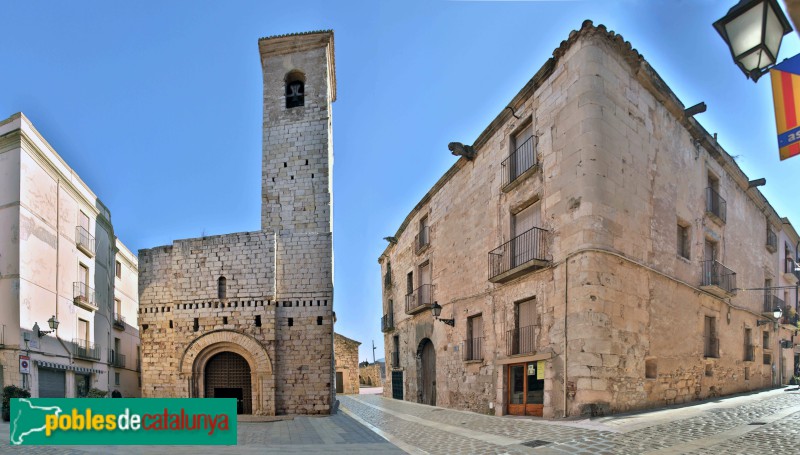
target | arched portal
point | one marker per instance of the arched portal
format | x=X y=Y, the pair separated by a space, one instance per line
x=227 y=375
x=426 y=368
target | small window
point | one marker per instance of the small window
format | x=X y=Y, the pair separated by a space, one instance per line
x=116 y=378
x=410 y=283
x=650 y=369
x=765 y=340
x=709 y=370
x=222 y=287
x=224 y=319
x=295 y=89
x=767 y=359
x=319 y=320
x=196 y=326
x=119 y=270
x=258 y=321
x=746 y=373
x=683 y=241
x=291 y=322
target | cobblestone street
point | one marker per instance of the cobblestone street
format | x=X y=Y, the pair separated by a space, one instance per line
x=766 y=422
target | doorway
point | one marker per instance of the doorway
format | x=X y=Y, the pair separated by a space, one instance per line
x=339 y=382
x=526 y=388
x=427 y=358
x=227 y=375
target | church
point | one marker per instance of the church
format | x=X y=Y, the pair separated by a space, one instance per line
x=250 y=315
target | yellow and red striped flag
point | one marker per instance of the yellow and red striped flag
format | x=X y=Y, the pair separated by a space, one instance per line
x=786 y=94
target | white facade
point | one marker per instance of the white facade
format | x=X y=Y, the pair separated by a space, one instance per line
x=58 y=258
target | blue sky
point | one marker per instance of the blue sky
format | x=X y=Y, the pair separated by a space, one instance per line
x=157 y=105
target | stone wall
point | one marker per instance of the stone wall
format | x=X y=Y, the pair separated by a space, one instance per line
x=346 y=354
x=370 y=375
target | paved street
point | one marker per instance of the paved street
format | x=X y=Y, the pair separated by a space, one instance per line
x=766 y=422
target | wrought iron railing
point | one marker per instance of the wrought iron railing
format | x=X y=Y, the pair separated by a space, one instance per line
x=81 y=292
x=85 y=349
x=84 y=240
x=387 y=322
x=395 y=359
x=523 y=158
x=716 y=274
x=749 y=353
x=420 y=297
x=772 y=302
x=521 y=340
x=712 y=347
x=772 y=240
x=473 y=349
x=529 y=246
x=118 y=320
x=715 y=205
x=116 y=359
x=422 y=239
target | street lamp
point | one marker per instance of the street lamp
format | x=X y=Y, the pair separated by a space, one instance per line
x=436 y=309
x=753 y=30
x=776 y=313
x=52 y=322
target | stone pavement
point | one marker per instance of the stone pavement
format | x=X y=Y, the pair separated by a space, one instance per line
x=337 y=434
x=760 y=423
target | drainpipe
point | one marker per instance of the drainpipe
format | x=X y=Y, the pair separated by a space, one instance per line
x=566 y=302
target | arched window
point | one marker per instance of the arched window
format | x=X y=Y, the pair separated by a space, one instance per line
x=222 y=287
x=295 y=89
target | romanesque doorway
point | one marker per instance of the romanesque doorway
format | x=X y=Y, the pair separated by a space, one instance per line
x=427 y=371
x=227 y=375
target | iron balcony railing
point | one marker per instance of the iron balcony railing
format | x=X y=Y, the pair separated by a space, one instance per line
x=419 y=298
x=790 y=316
x=749 y=353
x=712 y=347
x=395 y=359
x=85 y=349
x=473 y=349
x=82 y=293
x=772 y=302
x=116 y=360
x=772 y=240
x=521 y=340
x=84 y=240
x=387 y=322
x=422 y=239
x=715 y=205
x=716 y=274
x=529 y=246
x=118 y=320
x=523 y=158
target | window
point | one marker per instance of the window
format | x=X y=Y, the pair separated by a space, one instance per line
x=196 y=325
x=422 y=237
x=711 y=341
x=527 y=242
x=473 y=344
x=522 y=155
x=224 y=319
x=83 y=221
x=650 y=369
x=521 y=339
x=410 y=283
x=767 y=359
x=319 y=320
x=765 y=340
x=683 y=241
x=116 y=378
x=396 y=351
x=119 y=269
x=291 y=322
x=749 y=352
x=746 y=373
x=295 y=89
x=222 y=287
x=117 y=308
x=258 y=321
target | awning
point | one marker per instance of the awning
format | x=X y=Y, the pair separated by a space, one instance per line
x=60 y=366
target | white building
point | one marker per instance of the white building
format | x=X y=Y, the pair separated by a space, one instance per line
x=59 y=258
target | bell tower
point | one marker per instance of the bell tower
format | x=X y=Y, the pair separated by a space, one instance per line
x=297 y=162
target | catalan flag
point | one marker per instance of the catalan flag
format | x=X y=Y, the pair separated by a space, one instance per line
x=786 y=93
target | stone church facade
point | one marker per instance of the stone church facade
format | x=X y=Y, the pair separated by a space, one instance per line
x=250 y=315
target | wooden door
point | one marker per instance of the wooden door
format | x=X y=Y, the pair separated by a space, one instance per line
x=339 y=382
x=526 y=389
x=516 y=389
x=428 y=374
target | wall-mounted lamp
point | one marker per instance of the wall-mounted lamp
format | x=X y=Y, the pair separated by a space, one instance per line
x=776 y=313
x=52 y=322
x=436 y=309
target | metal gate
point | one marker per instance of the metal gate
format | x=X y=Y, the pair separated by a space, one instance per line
x=52 y=383
x=227 y=375
x=397 y=385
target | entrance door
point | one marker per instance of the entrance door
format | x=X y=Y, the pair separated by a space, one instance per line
x=52 y=384
x=339 y=382
x=229 y=374
x=428 y=374
x=526 y=389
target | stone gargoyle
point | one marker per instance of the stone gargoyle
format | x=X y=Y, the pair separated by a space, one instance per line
x=459 y=149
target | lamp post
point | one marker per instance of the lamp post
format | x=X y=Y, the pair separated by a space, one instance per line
x=436 y=309
x=753 y=31
x=776 y=313
x=52 y=322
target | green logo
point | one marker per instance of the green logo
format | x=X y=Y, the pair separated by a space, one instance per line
x=123 y=421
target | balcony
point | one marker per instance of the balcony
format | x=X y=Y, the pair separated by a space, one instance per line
x=790 y=317
x=473 y=349
x=387 y=322
x=518 y=165
x=718 y=279
x=83 y=296
x=789 y=272
x=395 y=359
x=523 y=253
x=521 y=340
x=118 y=321
x=422 y=240
x=85 y=349
x=772 y=241
x=116 y=360
x=420 y=299
x=771 y=302
x=711 y=348
x=716 y=207
x=84 y=241
x=749 y=353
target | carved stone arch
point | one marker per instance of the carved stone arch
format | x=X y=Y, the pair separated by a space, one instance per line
x=203 y=348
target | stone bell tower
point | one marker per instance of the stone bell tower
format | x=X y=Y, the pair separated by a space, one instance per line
x=299 y=87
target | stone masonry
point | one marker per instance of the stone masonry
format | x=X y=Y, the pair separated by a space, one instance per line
x=265 y=296
x=346 y=353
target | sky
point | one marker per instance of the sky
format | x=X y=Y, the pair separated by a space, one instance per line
x=157 y=105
